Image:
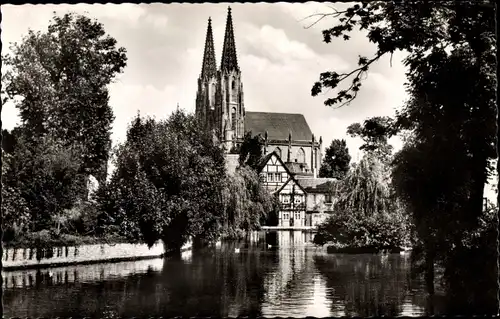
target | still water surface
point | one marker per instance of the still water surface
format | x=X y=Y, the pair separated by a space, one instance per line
x=292 y=278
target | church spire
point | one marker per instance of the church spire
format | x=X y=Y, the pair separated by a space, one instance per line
x=229 y=61
x=209 y=67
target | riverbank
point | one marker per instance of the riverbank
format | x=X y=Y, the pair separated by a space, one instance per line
x=332 y=249
x=44 y=257
x=45 y=238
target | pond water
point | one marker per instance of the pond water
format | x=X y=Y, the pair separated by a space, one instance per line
x=291 y=278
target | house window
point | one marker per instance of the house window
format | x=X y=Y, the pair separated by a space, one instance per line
x=262 y=178
x=301 y=155
x=328 y=198
x=270 y=177
x=277 y=177
x=284 y=199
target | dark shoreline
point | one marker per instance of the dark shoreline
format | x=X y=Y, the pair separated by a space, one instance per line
x=363 y=250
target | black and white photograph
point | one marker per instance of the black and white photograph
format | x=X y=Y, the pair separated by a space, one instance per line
x=310 y=159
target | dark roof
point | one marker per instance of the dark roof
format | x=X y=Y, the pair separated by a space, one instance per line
x=264 y=161
x=278 y=125
x=291 y=178
x=316 y=185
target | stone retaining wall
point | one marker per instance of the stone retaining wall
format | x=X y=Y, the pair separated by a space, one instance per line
x=55 y=256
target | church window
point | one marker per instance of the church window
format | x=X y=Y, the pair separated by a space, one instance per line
x=301 y=155
x=278 y=151
x=234 y=92
x=212 y=96
x=233 y=119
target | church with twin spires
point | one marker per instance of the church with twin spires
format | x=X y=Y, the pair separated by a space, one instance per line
x=220 y=108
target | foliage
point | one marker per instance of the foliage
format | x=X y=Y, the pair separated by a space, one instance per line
x=251 y=150
x=58 y=80
x=374 y=132
x=160 y=169
x=366 y=212
x=336 y=161
x=441 y=172
x=413 y=27
x=247 y=203
x=40 y=182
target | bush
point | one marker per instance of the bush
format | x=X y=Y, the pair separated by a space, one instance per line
x=381 y=231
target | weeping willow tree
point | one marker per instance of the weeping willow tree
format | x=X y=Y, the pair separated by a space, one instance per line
x=366 y=213
x=246 y=203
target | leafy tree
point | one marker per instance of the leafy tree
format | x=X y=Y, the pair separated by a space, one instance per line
x=452 y=152
x=43 y=179
x=247 y=203
x=167 y=184
x=58 y=80
x=336 y=161
x=251 y=150
x=451 y=62
x=366 y=212
x=375 y=133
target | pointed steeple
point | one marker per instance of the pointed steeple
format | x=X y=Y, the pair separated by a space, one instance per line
x=229 y=61
x=209 y=67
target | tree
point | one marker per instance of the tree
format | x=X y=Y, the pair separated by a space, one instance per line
x=366 y=214
x=251 y=150
x=451 y=62
x=58 y=80
x=440 y=172
x=336 y=161
x=44 y=179
x=167 y=184
x=375 y=133
x=246 y=203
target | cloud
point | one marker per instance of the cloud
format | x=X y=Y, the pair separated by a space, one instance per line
x=127 y=100
x=279 y=58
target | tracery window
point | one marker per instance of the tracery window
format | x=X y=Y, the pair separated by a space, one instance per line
x=234 y=92
x=301 y=155
x=233 y=119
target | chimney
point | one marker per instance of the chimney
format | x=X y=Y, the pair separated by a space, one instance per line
x=265 y=142
x=289 y=145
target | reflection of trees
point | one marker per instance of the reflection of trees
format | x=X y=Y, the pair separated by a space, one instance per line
x=368 y=285
x=219 y=283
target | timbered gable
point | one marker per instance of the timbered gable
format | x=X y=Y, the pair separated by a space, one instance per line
x=292 y=196
x=273 y=173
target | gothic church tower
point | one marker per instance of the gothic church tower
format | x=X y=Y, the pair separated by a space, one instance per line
x=219 y=103
x=207 y=84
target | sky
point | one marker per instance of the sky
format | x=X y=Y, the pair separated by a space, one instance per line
x=280 y=58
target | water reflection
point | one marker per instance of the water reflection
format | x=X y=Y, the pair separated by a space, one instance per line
x=274 y=274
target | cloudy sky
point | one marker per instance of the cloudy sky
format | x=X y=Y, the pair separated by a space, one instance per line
x=279 y=57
